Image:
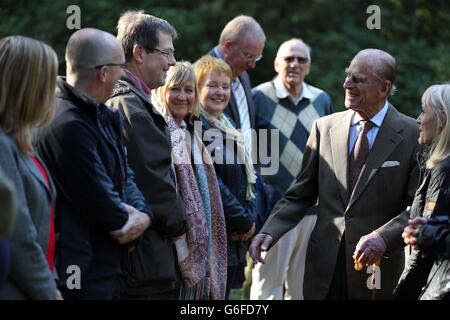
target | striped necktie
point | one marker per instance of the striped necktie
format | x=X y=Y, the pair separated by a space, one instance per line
x=241 y=100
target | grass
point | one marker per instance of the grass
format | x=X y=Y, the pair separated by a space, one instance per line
x=236 y=294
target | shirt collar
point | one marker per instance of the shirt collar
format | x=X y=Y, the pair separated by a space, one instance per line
x=376 y=119
x=282 y=92
x=216 y=51
x=141 y=84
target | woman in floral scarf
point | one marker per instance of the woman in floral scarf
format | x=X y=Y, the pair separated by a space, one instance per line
x=202 y=252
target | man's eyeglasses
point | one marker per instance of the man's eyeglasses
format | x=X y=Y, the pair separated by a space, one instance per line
x=166 y=53
x=301 y=60
x=251 y=57
x=121 y=65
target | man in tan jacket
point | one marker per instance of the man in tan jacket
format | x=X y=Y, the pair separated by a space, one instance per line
x=365 y=220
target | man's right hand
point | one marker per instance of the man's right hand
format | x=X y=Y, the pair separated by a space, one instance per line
x=136 y=224
x=261 y=242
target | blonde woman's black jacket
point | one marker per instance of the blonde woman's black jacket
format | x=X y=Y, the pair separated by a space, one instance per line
x=429 y=277
x=84 y=152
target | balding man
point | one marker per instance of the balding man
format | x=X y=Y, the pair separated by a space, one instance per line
x=361 y=166
x=99 y=209
x=290 y=105
x=241 y=44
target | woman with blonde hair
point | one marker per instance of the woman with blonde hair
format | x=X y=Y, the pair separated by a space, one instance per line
x=234 y=168
x=28 y=70
x=427 y=274
x=202 y=252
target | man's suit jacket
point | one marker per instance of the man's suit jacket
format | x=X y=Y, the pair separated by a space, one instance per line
x=232 y=108
x=385 y=188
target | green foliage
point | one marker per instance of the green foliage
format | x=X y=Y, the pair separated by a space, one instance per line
x=415 y=32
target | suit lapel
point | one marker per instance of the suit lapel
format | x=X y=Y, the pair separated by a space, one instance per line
x=232 y=111
x=385 y=143
x=32 y=167
x=339 y=147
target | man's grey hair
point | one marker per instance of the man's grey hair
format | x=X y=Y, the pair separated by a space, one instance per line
x=236 y=29
x=86 y=49
x=140 y=28
x=384 y=66
x=295 y=40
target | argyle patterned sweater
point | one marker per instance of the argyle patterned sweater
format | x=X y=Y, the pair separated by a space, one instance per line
x=294 y=123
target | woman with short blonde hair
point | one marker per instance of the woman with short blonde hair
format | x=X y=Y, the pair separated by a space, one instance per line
x=178 y=75
x=232 y=162
x=210 y=64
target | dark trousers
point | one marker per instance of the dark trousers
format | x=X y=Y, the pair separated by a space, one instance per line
x=169 y=295
x=4 y=261
x=234 y=277
x=99 y=289
x=338 y=288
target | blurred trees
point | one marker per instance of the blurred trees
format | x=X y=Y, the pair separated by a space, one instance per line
x=415 y=32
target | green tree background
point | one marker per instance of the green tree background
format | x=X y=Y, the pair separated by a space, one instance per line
x=415 y=32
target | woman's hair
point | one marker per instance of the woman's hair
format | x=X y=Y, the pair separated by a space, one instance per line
x=437 y=98
x=28 y=70
x=208 y=64
x=178 y=75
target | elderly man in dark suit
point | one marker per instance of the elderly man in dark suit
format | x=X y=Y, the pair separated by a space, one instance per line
x=361 y=164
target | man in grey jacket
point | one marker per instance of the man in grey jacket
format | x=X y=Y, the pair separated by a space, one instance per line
x=147 y=40
x=364 y=178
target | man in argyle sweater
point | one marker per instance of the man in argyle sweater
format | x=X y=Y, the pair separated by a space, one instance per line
x=290 y=105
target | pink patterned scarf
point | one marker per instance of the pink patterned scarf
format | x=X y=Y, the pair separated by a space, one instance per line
x=202 y=254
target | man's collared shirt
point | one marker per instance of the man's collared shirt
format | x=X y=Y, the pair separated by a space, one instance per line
x=217 y=53
x=282 y=92
x=355 y=128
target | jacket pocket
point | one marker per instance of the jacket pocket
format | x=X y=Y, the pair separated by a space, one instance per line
x=150 y=265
